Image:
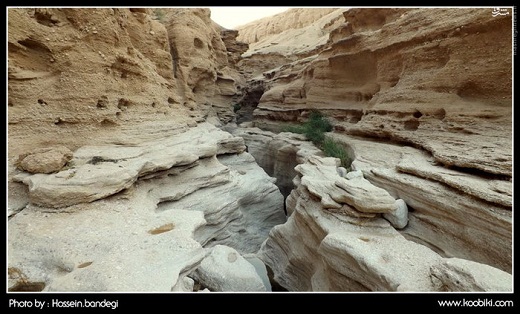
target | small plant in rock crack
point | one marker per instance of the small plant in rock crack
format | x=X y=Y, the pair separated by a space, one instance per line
x=314 y=129
x=334 y=149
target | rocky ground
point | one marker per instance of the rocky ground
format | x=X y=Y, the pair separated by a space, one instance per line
x=144 y=218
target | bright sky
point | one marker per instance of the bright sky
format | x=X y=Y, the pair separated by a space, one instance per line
x=231 y=17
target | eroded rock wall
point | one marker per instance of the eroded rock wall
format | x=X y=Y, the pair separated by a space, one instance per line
x=439 y=79
x=82 y=76
x=285 y=38
x=122 y=92
x=277 y=154
x=339 y=237
x=79 y=76
x=204 y=57
x=116 y=183
x=454 y=214
x=295 y=18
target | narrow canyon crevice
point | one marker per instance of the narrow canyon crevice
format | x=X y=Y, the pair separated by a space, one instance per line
x=246 y=106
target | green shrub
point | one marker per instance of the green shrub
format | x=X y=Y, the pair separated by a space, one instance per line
x=315 y=135
x=332 y=148
x=319 y=122
x=314 y=129
x=294 y=129
x=236 y=107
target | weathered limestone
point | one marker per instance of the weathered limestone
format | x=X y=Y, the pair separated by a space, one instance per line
x=427 y=77
x=459 y=275
x=45 y=160
x=488 y=189
x=100 y=171
x=399 y=217
x=79 y=75
x=301 y=256
x=291 y=19
x=90 y=76
x=188 y=192
x=319 y=249
x=204 y=56
x=234 y=47
x=388 y=78
x=473 y=228
x=277 y=154
x=225 y=270
x=239 y=213
x=320 y=177
x=184 y=285
x=108 y=245
x=152 y=196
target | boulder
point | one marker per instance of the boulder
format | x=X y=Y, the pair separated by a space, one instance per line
x=45 y=160
x=225 y=270
x=399 y=217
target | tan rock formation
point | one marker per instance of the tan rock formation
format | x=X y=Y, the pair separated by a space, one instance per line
x=102 y=83
x=445 y=218
x=203 y=61
x=435 y=79
x=94 y=75
x=321 y=178
x=234 y=47
x=319 y=249
x=44 y=160
x=292 y=19
x=175 y=208
x=277 y=154
x=439 y=79
x=455 y=274
x=224 y=270
x=427 y=207
x=100 y=171
x=285 y=38
x=448 y=218
x=77 y=76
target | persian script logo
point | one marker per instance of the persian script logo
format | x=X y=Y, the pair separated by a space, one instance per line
x=499 y=11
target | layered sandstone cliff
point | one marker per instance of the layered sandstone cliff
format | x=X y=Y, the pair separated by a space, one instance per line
x=80 y=76
x=295 y=18
x=286 y=37
x=439 y=79
x=115 y=183
x=380 y=229
x=285 y=42
x=203 y=60
x=421 y=100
